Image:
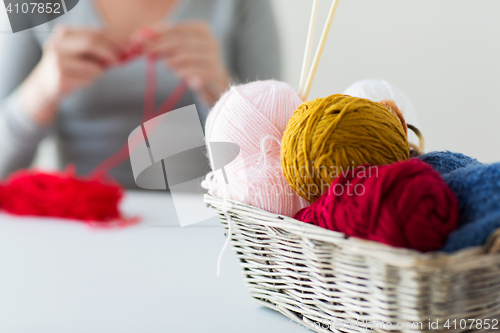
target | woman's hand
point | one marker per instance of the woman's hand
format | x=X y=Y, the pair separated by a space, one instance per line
x=192 y=51
x=72 y=58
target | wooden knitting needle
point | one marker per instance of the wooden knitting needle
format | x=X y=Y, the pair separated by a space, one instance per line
x=309 y=45
x=305 y=93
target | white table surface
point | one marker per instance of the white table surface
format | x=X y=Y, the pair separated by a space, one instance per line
x=63 y=277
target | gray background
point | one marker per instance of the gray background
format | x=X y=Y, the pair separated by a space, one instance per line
x=444 y=54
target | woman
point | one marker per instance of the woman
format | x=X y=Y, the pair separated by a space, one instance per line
x=68 y=76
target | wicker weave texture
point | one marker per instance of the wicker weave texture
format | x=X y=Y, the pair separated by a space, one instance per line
x=327 y=282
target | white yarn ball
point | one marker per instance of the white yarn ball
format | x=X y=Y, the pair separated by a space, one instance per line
x=254 y=116
x=378 y=90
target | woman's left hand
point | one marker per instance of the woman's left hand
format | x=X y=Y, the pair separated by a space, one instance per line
x=192 y=51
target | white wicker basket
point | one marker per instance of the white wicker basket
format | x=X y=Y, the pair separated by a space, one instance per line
x=326 y=281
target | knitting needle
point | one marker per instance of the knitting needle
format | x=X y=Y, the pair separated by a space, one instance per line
x=309 y=45
x=305 y=93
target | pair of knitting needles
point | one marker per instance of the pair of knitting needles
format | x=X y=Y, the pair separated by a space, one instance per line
x=306 y=79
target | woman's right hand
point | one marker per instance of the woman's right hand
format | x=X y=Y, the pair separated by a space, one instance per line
x=72 y=58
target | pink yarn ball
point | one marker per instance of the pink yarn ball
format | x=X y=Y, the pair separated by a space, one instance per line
x=254 y=116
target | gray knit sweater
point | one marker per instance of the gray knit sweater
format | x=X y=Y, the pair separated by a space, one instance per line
x=95 y=122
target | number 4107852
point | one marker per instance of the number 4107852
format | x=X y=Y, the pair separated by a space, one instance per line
x=472 y=324
x=35 y=7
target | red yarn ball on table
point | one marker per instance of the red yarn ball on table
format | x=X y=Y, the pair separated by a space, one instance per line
x=406 y=204
x=61 y=195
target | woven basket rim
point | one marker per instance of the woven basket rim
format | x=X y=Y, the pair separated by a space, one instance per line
x=465 y=259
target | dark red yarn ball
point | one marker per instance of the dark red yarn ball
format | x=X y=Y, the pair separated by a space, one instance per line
x=63 y=195
x=406 y=204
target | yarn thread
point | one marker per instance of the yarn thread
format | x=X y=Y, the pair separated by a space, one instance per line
x=329 y=136
x=225 y=210
x=149 y=112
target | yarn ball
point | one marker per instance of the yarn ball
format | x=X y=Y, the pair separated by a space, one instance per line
x=61 y=195
x=445 y=161
x=477 y=188
x=405 y=204
x=393 y=108
x=329 y=136
x=254 y=116
x=473 y=234
x=378 y=90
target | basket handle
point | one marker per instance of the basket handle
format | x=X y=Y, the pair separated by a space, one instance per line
x=493 y=243
x=420 y=149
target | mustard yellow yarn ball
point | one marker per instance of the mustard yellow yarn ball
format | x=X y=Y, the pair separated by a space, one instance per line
x=329 y=136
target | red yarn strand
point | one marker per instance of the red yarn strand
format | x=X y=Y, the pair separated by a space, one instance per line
x=149 y=113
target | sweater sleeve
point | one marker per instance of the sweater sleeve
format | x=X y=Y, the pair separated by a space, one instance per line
x=256 y=45
x=19 y=134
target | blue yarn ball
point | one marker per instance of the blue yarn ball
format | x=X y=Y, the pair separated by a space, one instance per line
x=445 y=161
x=473 y=234
x=477 y=188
